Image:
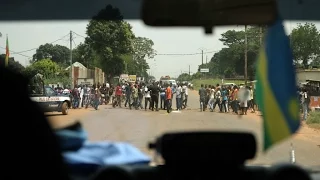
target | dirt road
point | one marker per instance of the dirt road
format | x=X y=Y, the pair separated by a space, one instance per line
x=139 y=127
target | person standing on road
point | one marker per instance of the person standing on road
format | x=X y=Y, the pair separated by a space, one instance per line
x=154 y=96
x=128 y=90
x=235 y=102
x=147 y=98
x=168 y=94
x=76 y=96
x=81 y=96
x=97 y=97
x=118 y=94
x=212 y=98
x=305 y=103
x=162 y=97
x=135 y=97
x=178 y=97
x=202 y=94
x=218 y=99
x=185 y=90
x=208 y=90
x=224 y=98
x=251 y=101
x=140 y=95
x=86 y=95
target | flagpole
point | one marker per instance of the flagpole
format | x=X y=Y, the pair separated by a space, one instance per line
x=7 y=52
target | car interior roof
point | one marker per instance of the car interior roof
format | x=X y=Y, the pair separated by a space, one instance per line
x=85 y=9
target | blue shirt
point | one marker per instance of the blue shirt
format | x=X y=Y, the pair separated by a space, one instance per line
x=224 y=95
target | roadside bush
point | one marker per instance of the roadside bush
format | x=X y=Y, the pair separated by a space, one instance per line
x=313 y=118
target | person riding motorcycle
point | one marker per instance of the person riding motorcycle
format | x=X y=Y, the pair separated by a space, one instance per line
x=118 y=94
x=103 y=92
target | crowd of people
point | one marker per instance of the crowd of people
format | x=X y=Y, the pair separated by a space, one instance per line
x=158 y=96
x=227 y=98
x=154 y=96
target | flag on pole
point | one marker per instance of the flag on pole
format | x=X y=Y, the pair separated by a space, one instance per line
x=276 y=86
x=7 y=52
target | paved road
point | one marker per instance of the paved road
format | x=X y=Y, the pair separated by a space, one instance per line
x=139 y=127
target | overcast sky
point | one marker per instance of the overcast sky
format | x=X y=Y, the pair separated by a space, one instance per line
x=30 y=35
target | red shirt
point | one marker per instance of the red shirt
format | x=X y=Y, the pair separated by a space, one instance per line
x=118 y=91
x=168 y=93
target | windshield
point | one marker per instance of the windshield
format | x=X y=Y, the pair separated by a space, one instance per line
x=100 y=51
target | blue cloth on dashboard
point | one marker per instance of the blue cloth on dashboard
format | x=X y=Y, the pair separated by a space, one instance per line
x=86 y=157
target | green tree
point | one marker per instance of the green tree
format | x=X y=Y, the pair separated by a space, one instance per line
x=51 y=71
x=184 y=77
x=131 y=66
x=85 y=55
x=316 y=62
x=46 y=67
x=197 y=75
x=229 y=61
x=12 y=64
x=305 y=43
x=110 y=37
x=142 y=50
x=57 y=53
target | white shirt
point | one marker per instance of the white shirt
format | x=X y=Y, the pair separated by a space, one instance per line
x=185 y=88
x=178 y=92
x=304 y=97
x=146 y=93
x=218 y=94
x=163 y=89
x=212 y=94
x=81 y=92
x=251 y=94
x=65 y=91
x=108 y=85
x=247 y=92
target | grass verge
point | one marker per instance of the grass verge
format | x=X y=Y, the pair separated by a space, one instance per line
x=197 y=83
x=313 y=119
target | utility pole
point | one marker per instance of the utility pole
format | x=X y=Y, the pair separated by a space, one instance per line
x=202 y=56
x=71 y=68
x=245 y=55
x=189 y=71
x=206 y=66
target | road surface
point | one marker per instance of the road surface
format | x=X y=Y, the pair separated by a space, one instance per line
x=140 y=127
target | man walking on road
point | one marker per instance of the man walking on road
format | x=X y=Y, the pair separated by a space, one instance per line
x=128 y=92
x=147 y=98
x=179 y=97
x=154 y=96
x=118 y=94
x=185 y=91
x=168 y=98
x=203 y=95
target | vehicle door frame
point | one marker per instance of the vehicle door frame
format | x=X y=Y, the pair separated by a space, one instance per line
x=41 y=99
x=52 y=105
